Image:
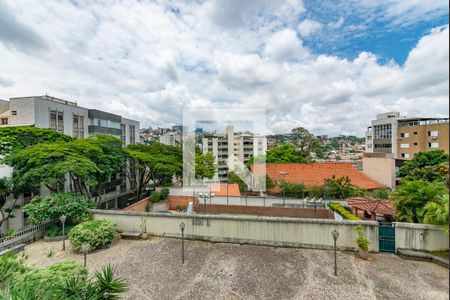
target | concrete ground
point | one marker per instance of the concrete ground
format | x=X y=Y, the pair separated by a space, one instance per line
x=152 y=270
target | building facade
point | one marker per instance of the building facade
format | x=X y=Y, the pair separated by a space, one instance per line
x=233 y=149
x=70 y=119
x=381 y=136
x=170 y=138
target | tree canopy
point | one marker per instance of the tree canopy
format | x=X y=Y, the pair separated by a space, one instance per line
x=205 y=166
x=19 y=137
x=305 y=143
x=426 y=165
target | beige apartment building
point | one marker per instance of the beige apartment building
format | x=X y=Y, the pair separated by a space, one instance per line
x=421 y=134
x=391 y=139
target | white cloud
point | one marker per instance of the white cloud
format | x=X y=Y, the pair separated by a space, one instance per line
x=148 y=60
x=284 y=45
x=337 y=24
x=308 y=27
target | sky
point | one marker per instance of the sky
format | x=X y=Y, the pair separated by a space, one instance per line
x=328 y=66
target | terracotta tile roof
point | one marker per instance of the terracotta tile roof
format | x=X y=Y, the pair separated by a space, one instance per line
x=221 y=191
x=315 y=173
x=379 y=206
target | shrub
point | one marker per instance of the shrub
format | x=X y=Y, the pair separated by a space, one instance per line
x=56 y=230
x=342 y=211
x=72 y=205
x=381 y=193
x=362 y=241
x=155 y=197
x=96 y=233
x=316 y=191
x=164 y=193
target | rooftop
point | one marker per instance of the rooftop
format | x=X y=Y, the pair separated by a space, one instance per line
x=315 y=173
x=377 y=206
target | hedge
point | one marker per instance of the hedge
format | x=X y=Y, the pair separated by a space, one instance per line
x=96 y=233
x=342 y=211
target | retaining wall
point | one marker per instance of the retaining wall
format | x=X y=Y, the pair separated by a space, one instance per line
x=270 y=231
x=420 y=237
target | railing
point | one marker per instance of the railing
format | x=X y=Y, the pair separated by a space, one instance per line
x=24 y=232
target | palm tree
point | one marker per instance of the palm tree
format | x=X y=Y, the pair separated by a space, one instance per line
x=411 y=197
x=437 y=212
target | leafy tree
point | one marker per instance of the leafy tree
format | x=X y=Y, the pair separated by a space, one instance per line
x=292 y=189
x=341 y=187
x=411 y=197
x=73 y=205
x=155 y=163
x=380 y=194
x=436 y=212
x=305 y=142
x=426 y=165
x=5 y=210
x=284 y=154
x=205 y=166
x=233 y=177
x=19 y=137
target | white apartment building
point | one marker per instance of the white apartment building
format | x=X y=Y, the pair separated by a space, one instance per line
x=381 y=136
x=170 y=138
x=238 y=145
x=78 y=122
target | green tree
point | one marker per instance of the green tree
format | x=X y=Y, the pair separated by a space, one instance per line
x=284 y=154
x=73 y=205
x=436 y=212
x=155 y=163
x=341 y=187
x=411 y=197
x=19 y=137
x=205 y=166
x=426 y=165
x=233 y=177
x=5 y=210
x=305 y=143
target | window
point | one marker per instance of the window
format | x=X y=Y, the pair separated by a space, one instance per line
x=383 y=131
x=415 y=144
x=14 y=112
x=405 y=155
x=415 y=132
x=122 y=133
x=404 y=145
x=433 y=145
x=433 y=133
x=4 y=121
x=404 y=135
x=78 y=126
x=132 y=134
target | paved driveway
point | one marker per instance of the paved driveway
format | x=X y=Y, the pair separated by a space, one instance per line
x=153 y=270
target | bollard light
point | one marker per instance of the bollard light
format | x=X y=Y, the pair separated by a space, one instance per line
x=63 y=219
x=85 y=250
x=335 y=235
x=182 y=226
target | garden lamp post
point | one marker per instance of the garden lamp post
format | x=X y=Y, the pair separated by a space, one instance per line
x=63 y=219
x=335 y=235
x=182 y=226
x=85 y=250
x=282 y=191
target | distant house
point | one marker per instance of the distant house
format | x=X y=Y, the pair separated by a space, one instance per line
x=372 y=209
x=314 y=174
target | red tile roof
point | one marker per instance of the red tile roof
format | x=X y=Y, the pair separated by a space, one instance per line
x=377 y=206
x=315 y=173
x=221 y=191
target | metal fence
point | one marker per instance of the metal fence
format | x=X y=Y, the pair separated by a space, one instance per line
x=23 y=234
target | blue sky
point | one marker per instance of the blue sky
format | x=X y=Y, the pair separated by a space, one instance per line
x=378 y=34
x=329 y=66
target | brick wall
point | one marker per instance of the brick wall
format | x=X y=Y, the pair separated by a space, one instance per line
x=138 y=206
x=264 y=211
x=182 y=201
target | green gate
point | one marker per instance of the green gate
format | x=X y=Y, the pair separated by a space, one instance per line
x=386 y=233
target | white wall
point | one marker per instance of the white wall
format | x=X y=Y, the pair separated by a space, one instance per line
x=25 y=113
x=127 y=123
x=271 y=231
x=420 y=237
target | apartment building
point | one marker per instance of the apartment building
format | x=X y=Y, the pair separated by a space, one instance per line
x=68 y=118
x=232 y=149
x=391 y=139
x=421 y=134
x=170 y=138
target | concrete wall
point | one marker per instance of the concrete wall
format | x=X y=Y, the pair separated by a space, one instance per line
x=271 y=231
x=381 y=169
x=25 y=113
x=420 y=237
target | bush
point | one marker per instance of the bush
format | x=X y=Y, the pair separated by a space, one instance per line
x=96 y=233
x=362 y=241
x=155 y=197
x=316 y=191
x=381 y=194
x=342 y=211
x=73 y=205
x=56 y=230
x=164 y=193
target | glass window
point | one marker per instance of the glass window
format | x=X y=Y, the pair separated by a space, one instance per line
x=433 y=133
x=404 y=145
x=433 y=145
x=404 y=134
x=405 y=155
